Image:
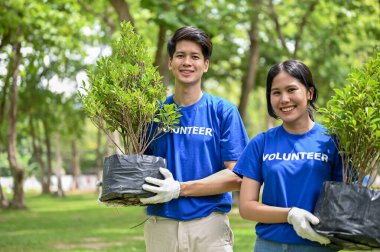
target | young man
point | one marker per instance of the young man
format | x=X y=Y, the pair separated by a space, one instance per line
x=189 y=210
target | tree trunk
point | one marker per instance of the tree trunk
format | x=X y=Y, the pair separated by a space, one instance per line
x=161 y=58
x=75 y=168
x=3 y=200
x=4 y=95
x=37 y=154
x=300 y=27
x=59 y=171
x=122 y=9
x=165 y=70
x=254 y=54
x=160 y=45
x=17 y=172
x=48 y=154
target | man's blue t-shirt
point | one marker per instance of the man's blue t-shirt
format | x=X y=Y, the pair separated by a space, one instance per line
x=293 y=168
x=209 y=133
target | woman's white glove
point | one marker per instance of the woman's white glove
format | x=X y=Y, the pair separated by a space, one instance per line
x=301 y=219
x=166 y=189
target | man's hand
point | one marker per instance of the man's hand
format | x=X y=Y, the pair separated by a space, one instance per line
x=166 y=189
x=301 y=219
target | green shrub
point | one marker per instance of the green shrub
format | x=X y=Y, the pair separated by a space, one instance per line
x=353 y=116
x=126 y=94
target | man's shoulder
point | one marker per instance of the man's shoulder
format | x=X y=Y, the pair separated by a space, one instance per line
x=169 y=99
x=220 y=102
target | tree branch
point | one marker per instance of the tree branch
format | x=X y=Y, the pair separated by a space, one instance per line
x=5 y=40
x=280 y=34
x=122 y=9
x=302 y=25
x=106 y=18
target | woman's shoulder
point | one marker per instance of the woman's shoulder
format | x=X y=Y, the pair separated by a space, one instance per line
x=262 y=136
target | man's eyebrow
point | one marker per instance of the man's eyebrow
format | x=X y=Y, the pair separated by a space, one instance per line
x=192 y=53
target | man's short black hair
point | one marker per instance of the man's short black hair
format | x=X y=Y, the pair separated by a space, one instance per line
x=192 y=34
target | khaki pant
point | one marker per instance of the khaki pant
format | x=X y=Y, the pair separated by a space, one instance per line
x=208 y=234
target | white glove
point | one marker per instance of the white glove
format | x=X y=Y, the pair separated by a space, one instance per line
x=301 y=219
x=166 y=189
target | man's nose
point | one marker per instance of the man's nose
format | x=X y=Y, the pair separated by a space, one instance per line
x=187 y=61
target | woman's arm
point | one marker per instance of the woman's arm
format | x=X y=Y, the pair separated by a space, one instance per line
x=251 y=209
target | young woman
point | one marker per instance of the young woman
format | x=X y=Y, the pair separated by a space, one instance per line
x=290 y=162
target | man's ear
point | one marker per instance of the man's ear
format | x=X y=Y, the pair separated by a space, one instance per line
x=170 y=64
x=206 y=65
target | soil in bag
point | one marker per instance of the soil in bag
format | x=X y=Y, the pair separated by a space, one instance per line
x=349 y=216
x=124 y=175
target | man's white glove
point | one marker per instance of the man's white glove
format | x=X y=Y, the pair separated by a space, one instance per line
x=166 y=189
x=301 y=219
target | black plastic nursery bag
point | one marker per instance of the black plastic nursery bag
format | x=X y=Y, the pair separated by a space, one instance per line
x=124 y=175
x=349 y=216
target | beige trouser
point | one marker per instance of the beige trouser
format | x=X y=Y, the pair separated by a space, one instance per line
x=208 y=234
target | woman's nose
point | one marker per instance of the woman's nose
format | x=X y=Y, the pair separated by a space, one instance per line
x=284 y=98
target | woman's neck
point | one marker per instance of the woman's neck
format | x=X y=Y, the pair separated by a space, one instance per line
x=299 y=128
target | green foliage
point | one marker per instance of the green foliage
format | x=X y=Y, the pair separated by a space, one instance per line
x=126 y=94
x=353 y=115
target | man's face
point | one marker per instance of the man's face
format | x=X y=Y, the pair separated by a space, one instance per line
x=188 y=63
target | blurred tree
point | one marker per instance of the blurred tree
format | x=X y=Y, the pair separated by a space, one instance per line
x=74 y=117
x=42 y=41
x=33 y=27
x=59 y=170
x=249 y=79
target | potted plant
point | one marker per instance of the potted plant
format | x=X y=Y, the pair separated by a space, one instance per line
x=349 y=211
x=125 y=94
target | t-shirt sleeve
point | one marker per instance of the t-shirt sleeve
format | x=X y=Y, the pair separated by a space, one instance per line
x=233 y=137
x=250 y=162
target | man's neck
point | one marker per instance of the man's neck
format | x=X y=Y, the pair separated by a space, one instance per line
x=186 y=96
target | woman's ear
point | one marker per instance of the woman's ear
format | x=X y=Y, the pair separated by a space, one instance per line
x=310 y=94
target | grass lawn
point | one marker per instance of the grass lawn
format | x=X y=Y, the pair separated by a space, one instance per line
x=78 y=223
x=73 y=223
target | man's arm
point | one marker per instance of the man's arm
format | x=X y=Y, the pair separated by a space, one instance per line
x=220 y=182
x=167 y=189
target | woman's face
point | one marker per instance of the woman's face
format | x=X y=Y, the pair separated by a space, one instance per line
x=289 y=99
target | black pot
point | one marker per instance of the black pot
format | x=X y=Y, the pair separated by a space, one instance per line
x=123 y=177
x=349 y=216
